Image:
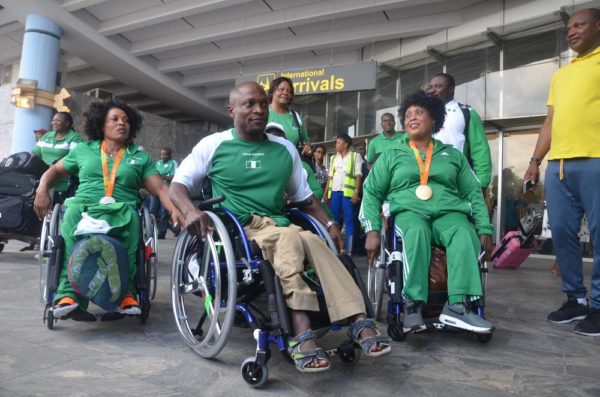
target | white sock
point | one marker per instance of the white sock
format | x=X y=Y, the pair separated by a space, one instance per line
x=582 y=301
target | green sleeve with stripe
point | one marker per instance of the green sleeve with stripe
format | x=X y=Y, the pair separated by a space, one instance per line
x=479 y=150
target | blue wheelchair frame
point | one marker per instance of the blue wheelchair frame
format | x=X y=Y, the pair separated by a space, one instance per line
x=257 y=275
x=393 y=257
x=52 y=247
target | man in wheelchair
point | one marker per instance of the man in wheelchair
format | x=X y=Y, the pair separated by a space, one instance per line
x=252 y=171
x=434 y=196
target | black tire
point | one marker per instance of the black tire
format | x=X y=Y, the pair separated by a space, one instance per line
x=395 y=332
x=355 y=273
x=50 y=319
x=254 y=374
x=151 y=239
x=349 y=353
x=145 y=308
x=49 y=233
x=484 y=338
x=1 y=247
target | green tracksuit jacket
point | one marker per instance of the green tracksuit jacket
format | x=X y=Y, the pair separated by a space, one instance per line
x=443 y=220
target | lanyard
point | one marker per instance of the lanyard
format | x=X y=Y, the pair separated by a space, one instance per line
x=424 y=165
x=109 y=183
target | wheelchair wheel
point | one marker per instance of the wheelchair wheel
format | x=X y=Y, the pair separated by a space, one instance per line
x=204 y=289
x=50 y=226
x=254 y=374
x=376 y=280
x=349 y=353
x=484 y=338
x=151 y=240
x=395 y=331
x=325 y=233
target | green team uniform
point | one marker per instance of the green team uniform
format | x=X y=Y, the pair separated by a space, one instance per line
x=468 y=138
x=290 y=127
x=251 y=176
x=166 y=168
x=445 y=219
x=50 y=150
x=380 y=143
x=135 y=167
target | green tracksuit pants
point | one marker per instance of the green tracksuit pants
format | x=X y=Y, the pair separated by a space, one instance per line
x=452 y=231
x=127 y=233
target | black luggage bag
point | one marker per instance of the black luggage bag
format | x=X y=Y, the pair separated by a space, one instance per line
x=17 y=193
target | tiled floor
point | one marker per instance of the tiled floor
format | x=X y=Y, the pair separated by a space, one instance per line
x=526 y=357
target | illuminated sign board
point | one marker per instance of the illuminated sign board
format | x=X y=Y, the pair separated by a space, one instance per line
x=322 y=80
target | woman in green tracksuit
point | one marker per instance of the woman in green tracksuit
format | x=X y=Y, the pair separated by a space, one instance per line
x=111 y=170
x=56 y=144
x=435 y=198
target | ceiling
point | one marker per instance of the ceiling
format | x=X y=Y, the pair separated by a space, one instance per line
x=180 y=58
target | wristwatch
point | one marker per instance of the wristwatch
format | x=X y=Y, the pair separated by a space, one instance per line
x=537 y=160
x=330 y=223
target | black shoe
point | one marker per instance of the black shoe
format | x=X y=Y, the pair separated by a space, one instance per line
x=161 y=236
x=590 y=325
x=571 y=310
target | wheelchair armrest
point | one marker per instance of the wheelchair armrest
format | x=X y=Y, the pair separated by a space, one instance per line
x=206 y=204
x=299 y=204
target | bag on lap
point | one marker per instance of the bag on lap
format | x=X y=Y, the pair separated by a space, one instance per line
x=98 y=270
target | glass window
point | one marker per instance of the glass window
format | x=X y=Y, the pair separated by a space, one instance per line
x=312 y=108
x=345 y=113
x=385 y=90
x=366 y=112
x=415 y=78
x=526 y=50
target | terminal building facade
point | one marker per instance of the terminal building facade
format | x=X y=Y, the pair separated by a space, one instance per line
x=350 y=60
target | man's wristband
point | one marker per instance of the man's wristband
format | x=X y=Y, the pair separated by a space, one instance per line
x=330 y=223
x=537 y=160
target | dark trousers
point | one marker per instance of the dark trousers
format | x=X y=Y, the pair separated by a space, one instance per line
x=568 y=199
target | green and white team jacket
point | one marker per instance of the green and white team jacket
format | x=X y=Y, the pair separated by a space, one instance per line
x=251 y=176
x=395 y=177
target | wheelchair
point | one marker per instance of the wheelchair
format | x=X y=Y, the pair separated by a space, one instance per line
x=385 y=275
x=51 y=258
x=215 y=284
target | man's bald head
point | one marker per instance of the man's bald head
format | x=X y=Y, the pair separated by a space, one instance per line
x=243 y=87
x=249 y=109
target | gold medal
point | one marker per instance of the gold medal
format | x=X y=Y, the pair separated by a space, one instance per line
x=424 y=192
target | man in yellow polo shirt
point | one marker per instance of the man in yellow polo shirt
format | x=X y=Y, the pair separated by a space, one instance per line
x=571 y=132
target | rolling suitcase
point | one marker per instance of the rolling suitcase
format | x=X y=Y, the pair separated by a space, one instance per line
x=512 y=251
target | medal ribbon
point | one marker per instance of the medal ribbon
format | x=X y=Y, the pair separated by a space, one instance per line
x=424 y=165
x=109 y=183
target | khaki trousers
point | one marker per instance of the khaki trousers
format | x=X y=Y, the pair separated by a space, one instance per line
x=287 y=248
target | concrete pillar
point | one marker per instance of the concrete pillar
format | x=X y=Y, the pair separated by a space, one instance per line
x=39 y=61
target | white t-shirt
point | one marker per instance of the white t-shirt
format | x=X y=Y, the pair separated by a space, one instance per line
x=453 y=131
x=340 y=165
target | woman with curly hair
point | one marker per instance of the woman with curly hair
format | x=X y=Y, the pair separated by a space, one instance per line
x=434 y=196
x=111 y=170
